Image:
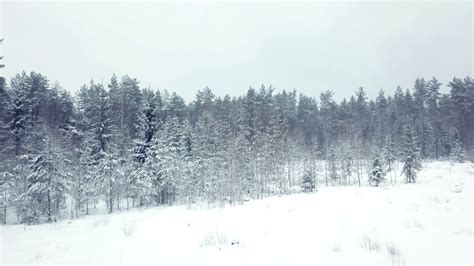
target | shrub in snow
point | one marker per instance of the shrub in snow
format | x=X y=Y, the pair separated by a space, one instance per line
x=370 y=244
x=215 y=239
x=376 y=175
x=395 y=255
x=308 y=183
x=127 y=228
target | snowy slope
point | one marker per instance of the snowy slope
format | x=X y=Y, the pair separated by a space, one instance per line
x=428 y=222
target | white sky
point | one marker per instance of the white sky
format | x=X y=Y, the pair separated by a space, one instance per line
x=184 y=47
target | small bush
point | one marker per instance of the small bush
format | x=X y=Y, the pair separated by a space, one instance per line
x=370 y=244
x=100 y=221
x=211 y=239
x=395 y=255
x=127 y=228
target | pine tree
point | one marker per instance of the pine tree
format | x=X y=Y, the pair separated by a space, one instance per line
x=6 y=142
x=47 y=183
x=188 y=184
x=6 y=186
x=97 y=127
x=376 y=175
x=381 y=119
x=433 y=113
x=347 y=166
x=333 y=173
x=457 y=153
x=410 y=155
x=389 y=156
x=107 y=171
x=308 y=181
x=6 y=154
x=420 y=98
x=140 y=181
x=206 y=145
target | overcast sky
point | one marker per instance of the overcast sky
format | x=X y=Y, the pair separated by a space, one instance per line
x=184 y=47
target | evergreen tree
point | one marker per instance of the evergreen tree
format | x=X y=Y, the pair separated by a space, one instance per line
x=410 y=155
x=47 y=183
x=6 y=152
x=98 y=127
x=308 y=181
x=457 y=152
x=139 y=181
x=376 y=175
x=389 y=156
x=433 y=113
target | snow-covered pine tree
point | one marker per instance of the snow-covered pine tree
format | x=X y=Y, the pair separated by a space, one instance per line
x=389 y=156
x=348 y=167
x=107 y=172
x=420 y=95
x=433 y=117
x=6 y=186
x=376 y=174
x=47 y=182
x=205 y=153
x=380 y=119
x=85 y=184
x=6 y=140
x=308 y=181
x=187 y=184
x=102 y=156
x=225 y=115
x=328 y=113
x=462 y=109
x=166 y=159
x=106 y=156
x=278 y=139
x=457 y=153
x=410 y=155
x=249 y=127
x=332 y=166
x=140 y=180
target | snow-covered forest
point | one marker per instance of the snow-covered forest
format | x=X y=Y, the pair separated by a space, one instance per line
x=124 y=146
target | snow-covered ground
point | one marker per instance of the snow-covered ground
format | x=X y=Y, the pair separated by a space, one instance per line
x=425 y=223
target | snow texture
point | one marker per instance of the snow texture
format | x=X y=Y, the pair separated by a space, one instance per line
x=429 y=222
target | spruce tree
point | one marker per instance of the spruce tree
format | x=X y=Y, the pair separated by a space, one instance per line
x=376 y=175
x=389 y=156
x=308 y=181
x=410 y=155
x=47 y=183
x=457 y=153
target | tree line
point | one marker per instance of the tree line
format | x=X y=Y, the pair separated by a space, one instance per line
x=129 y=146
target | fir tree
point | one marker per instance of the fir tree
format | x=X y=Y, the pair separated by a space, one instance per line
x=376 y=175
x=308 y=181
x=457 y=153
x=410 y=155
x=47 y=183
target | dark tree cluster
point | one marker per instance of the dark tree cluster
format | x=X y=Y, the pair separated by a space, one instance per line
x=127 y=146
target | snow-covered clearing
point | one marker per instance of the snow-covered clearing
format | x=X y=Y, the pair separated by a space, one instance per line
x=428 y=222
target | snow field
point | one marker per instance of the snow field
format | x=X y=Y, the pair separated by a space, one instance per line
x=403 y=224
